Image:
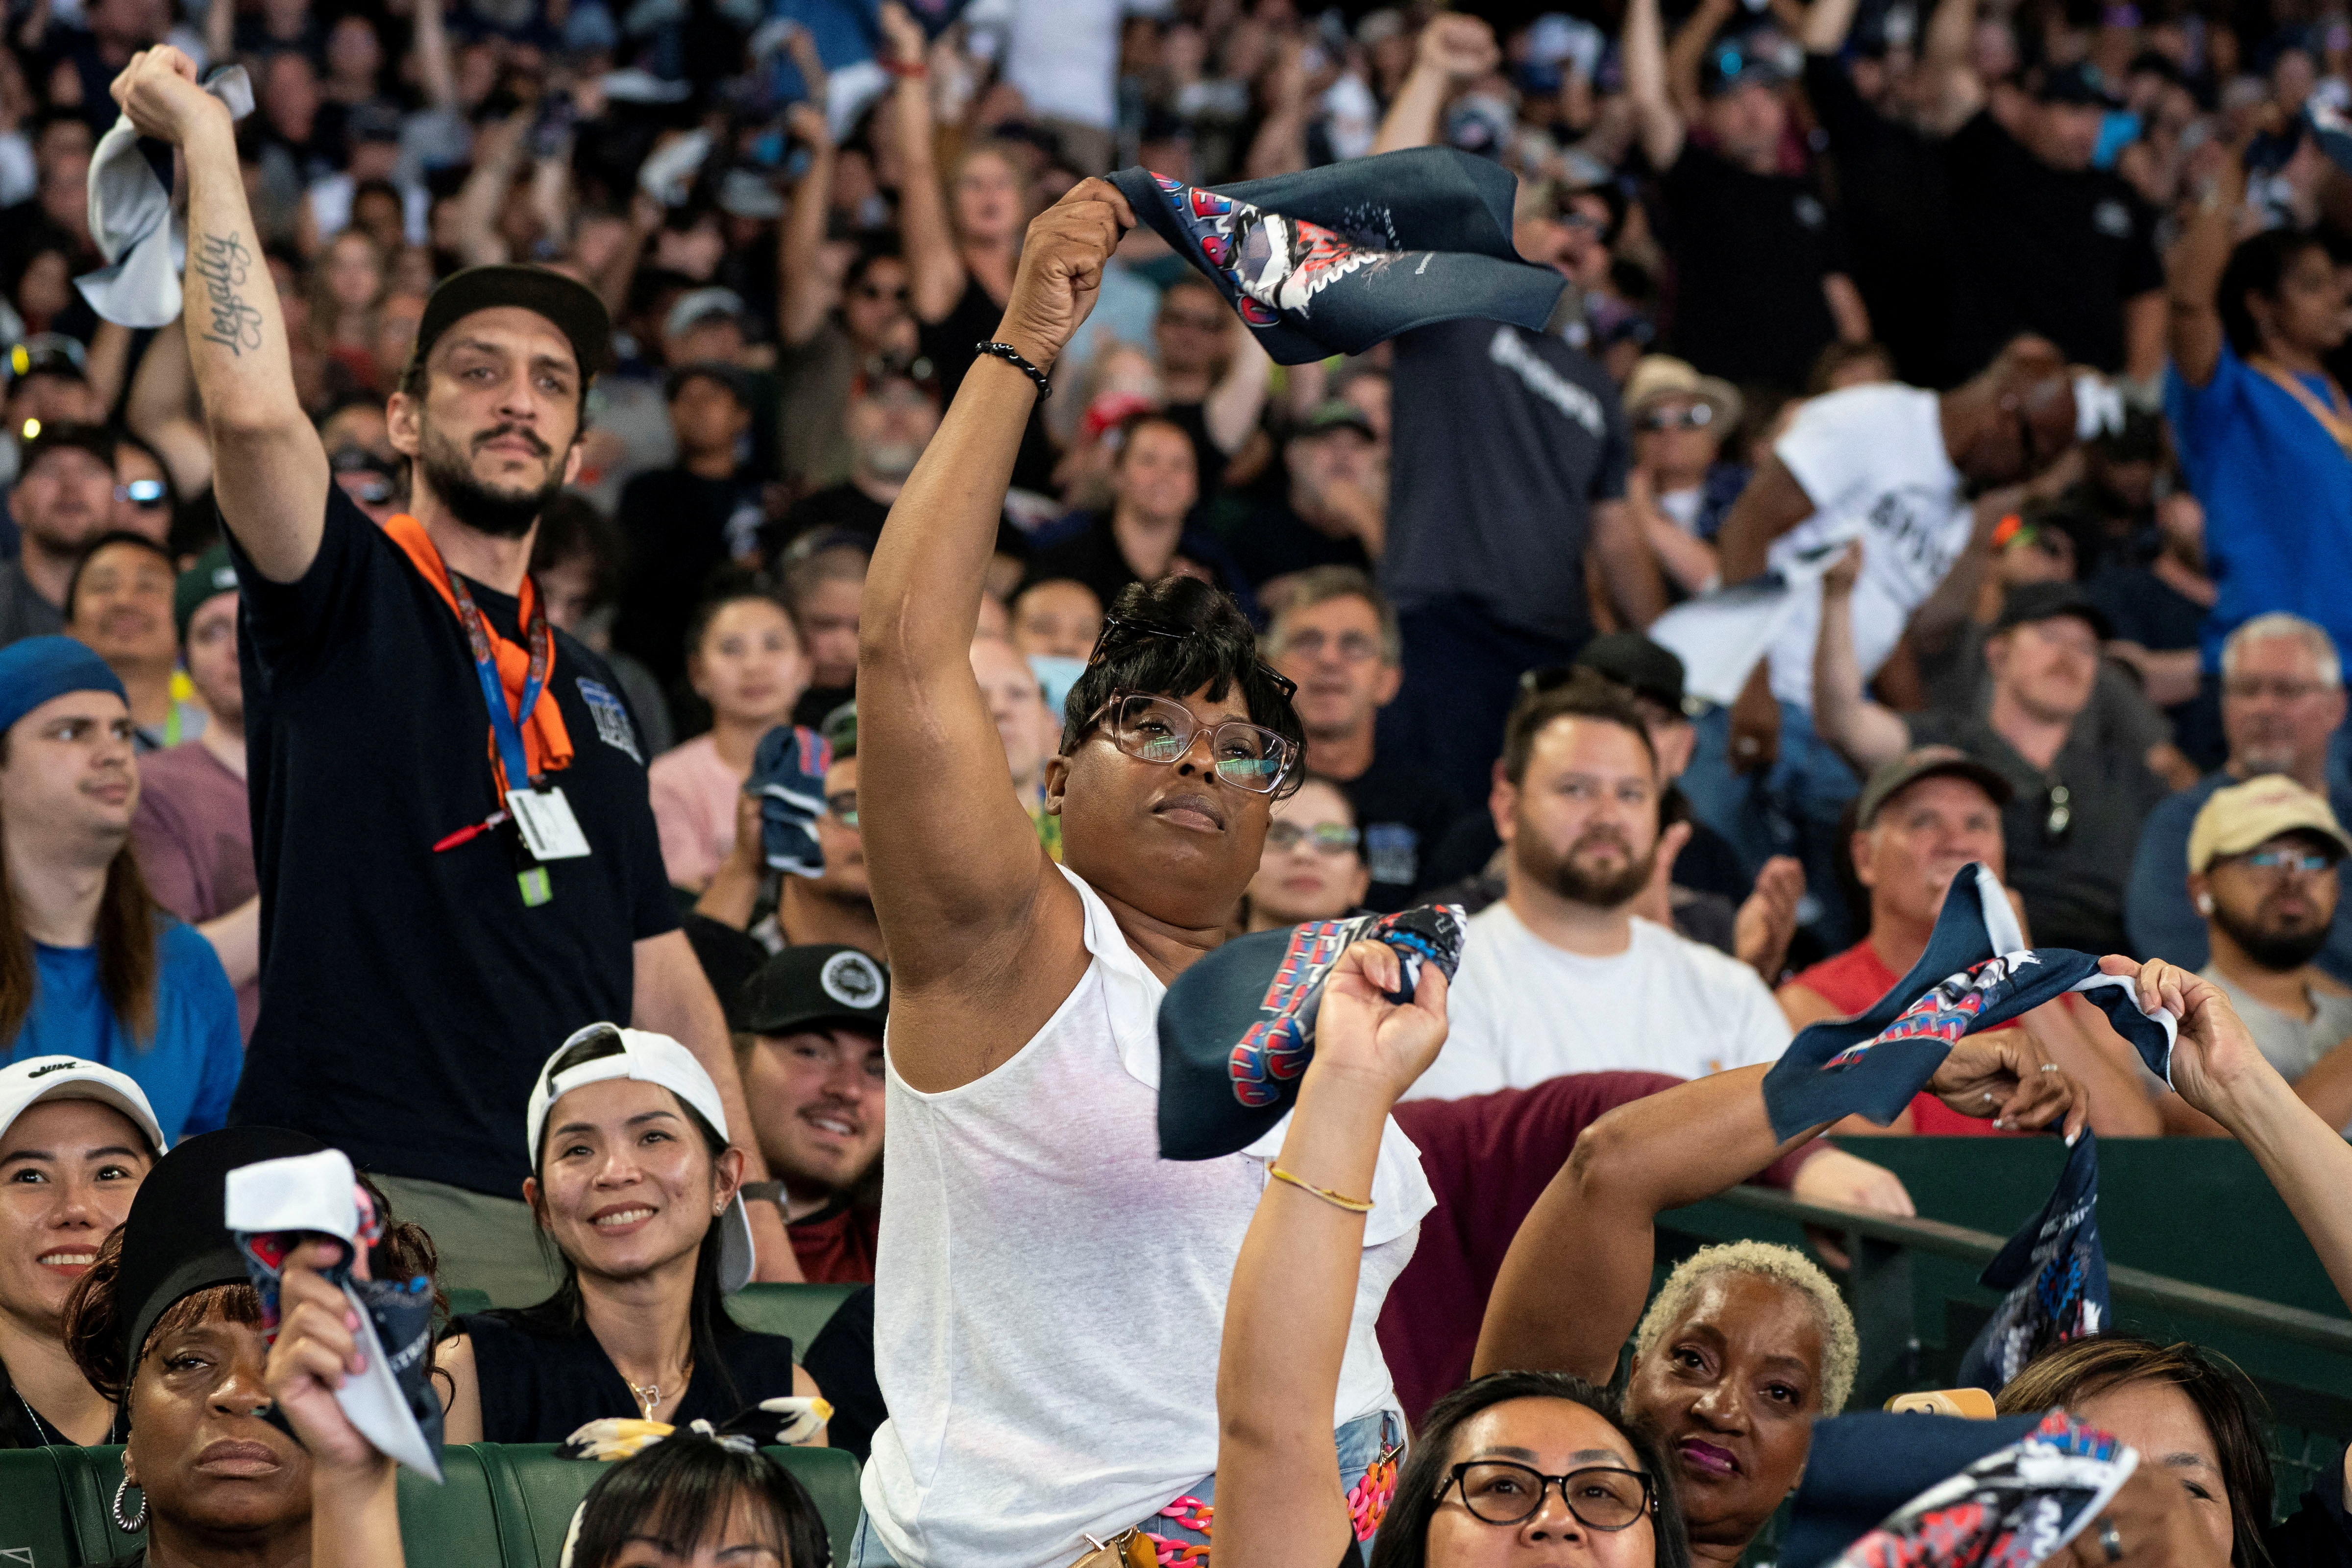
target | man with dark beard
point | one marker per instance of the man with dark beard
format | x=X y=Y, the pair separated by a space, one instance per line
x=2262 y=870
x=1561 y=977
x=457 y=854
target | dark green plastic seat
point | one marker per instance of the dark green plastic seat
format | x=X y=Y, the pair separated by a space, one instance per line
x=499 y=1505
x=796 y=1311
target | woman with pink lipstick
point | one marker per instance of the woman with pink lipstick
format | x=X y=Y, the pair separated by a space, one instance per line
x=166 y=1324
x=636 y=1184
x=76 y=1138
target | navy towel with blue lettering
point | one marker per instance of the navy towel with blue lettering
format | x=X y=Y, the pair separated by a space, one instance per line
x=2056 y=1272
x=1976 y=972
x=1335 y=260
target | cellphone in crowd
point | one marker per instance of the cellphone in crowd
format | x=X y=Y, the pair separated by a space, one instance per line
x=550 y=136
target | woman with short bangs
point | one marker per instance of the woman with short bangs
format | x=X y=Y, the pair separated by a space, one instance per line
x=166 y=1324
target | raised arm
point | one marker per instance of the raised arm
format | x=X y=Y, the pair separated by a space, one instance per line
x=1572 y=1287
x=1689 y=49
x=2216 y=1069
x=1656 y=122
x=1865 y=733
x=1827 y=22
x=161 y=412
x=1280 y=145
x=269 y=471
x=355 y=1499
x=2194 y=266
x=803 y=292
x=1279 y=1502
x=933 y=263
x=1450 y=50
x=1955 y=92
x=978 y=921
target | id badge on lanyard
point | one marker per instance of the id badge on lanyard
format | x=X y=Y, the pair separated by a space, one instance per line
x=545 y=828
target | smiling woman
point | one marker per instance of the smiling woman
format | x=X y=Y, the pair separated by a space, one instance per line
x=636 y=1186
x=74 y=1141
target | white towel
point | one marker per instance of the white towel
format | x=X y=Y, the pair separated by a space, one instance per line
x=131 y=220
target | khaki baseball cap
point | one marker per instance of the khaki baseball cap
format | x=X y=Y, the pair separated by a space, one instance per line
x=2245 y=816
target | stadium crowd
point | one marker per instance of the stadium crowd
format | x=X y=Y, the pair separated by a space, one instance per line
x=597 y=555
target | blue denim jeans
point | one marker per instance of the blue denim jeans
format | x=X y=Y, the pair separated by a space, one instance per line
x=1360 y=1443
x=1791 y=808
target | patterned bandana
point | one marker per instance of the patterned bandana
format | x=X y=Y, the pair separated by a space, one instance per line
x=1976 y=973
x=1333 y=261
x=2056 y=1272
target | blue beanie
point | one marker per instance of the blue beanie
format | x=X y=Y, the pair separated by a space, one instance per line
x=37 y=669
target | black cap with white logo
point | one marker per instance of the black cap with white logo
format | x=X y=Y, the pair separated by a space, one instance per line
x=813 y=987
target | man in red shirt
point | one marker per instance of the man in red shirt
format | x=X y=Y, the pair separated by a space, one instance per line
x=1921 y=819
x=811 y=1056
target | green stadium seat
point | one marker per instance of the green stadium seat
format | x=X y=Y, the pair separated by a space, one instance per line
x=499 y=1505
x=797 y=1311
x=465 y=1299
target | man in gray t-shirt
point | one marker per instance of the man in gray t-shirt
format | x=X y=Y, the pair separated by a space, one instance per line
x=2262 y=859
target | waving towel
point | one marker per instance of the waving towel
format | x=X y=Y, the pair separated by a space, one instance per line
x=1335 y=260
x=131 y=218
x=2056 y=1272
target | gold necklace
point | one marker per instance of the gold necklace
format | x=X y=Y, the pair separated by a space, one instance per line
x=648 y=1395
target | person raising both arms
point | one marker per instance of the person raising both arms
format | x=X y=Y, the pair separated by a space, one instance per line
x=1026 y=1185
x=504 y=886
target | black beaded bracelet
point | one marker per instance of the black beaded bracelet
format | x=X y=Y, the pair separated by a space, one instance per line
x=1013 y=357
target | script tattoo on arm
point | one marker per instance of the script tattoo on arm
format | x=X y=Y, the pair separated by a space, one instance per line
x=225 y=263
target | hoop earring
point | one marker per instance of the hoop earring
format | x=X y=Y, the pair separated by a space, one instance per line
x=129 y=1526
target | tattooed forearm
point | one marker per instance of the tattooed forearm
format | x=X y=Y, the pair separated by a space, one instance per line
x=224 y=264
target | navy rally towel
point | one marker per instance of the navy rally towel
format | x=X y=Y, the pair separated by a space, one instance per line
x=788 y=771
x=1947 y=1492
x=1976 y=973
x=2056 y=1272
x=1335 y=260
x=1237 y=1029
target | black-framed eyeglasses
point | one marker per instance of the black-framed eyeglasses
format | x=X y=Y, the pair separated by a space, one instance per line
x=843 y=807
x=1118 y=629
x=1602 y=1497
x=1162 y=730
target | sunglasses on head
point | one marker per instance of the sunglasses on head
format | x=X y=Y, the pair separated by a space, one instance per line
x=1119 y=630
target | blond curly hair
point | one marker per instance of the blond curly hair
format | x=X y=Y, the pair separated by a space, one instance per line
x=1840 y=1349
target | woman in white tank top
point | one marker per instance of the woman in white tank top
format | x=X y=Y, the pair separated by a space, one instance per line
x=1049 y=1291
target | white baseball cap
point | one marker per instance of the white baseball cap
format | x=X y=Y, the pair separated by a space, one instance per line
x=642 y=1057
x=27 y=1083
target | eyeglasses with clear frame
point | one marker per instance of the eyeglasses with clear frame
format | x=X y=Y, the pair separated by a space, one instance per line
x=1602 y=1497
x=1162 y=730
x=1324 y=837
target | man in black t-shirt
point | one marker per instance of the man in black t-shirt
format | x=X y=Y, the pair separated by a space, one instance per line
x=1333 y=511
x=890 y=418
x=1336 y=637
x=1760 y=284
x=457 y=853
x=1506 y=476
x=2047 y=243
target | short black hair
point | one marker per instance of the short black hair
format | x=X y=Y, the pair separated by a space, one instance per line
x=570 y=526
x=682 y=1489
x=1584 y=695
x=1218 y=651
x=728 y=586
x=1123 y=432
x=107 y=540
x=2258 y=266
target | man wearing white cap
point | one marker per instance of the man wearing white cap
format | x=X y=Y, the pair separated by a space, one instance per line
x=76 y=1138
x=2262 y=859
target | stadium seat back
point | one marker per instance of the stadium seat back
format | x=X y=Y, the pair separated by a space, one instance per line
x=36 y=1527
x=796 y=1311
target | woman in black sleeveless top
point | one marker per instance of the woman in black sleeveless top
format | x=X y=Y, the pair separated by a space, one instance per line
x=636 y=1184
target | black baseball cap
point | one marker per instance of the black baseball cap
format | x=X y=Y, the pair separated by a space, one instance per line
x=816 y=986
x=2044 y=601
x=1926 y=762
x=47 y=353
x=729 y=377
x=95 y=439
x=571 y=305
x=1632 y=661
x=2076 y=84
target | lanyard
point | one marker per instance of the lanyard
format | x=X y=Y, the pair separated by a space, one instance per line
x=513 y=769
x=2336 y=421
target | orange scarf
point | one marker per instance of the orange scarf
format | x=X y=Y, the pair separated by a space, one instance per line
x=546 y=743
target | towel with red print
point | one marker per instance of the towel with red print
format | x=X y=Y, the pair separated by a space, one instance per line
x=2017 y=1506
x=1335 y=260
x=1237 y=1028
x=1976 y=972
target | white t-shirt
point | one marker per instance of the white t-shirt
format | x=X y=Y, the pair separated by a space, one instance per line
x=1050 y=1294
x=1873 y=460
x=1064 y=56
x=1524 y=1011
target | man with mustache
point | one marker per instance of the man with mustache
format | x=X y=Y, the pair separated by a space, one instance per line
x=1561 y=977
x=62 y=500
x=2262 y=859
x=455 y=850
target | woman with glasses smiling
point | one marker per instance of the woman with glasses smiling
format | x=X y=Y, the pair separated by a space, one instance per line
x=1313 y=867
x=1049 y=1291
x=1511 y=1462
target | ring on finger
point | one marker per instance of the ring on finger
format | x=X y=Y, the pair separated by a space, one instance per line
x=2049 y=1067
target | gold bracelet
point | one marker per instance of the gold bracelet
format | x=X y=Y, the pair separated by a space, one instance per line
x=1336 y=1200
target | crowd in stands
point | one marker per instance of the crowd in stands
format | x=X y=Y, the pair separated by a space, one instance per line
x=642 y=544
